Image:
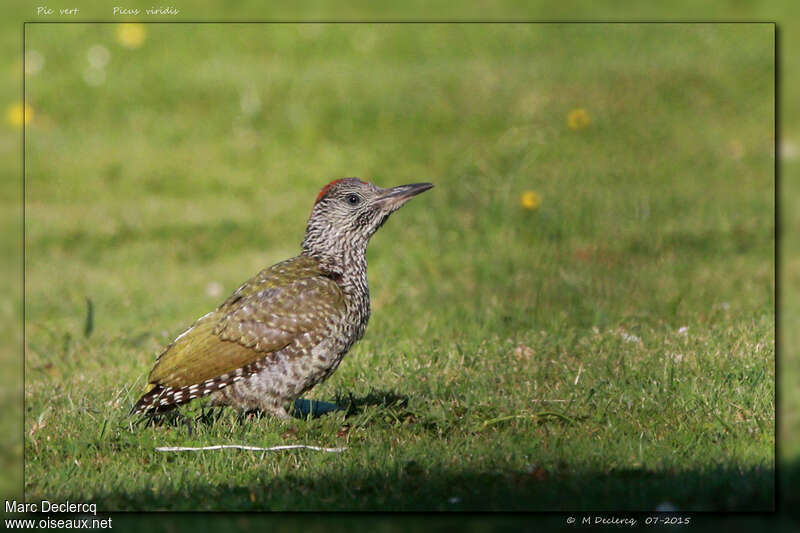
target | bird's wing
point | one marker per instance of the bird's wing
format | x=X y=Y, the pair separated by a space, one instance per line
x=267 y=315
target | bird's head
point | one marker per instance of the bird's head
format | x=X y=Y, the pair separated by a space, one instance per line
x=349 y=211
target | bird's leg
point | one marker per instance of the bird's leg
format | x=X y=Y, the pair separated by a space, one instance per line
x=273 y=408
x=281 y=413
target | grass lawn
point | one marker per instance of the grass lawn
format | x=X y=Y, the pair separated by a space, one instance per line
x=613 y=348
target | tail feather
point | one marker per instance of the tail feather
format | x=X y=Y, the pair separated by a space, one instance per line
x=160 y=398
x=157 y=399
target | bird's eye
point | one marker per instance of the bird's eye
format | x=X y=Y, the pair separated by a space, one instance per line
x=353 y=199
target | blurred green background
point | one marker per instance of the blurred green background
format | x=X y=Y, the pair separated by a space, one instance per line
x=169 y=158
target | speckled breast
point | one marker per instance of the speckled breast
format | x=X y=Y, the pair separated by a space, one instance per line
x=290 y=372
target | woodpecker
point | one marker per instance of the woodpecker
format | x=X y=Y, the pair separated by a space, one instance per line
x=287 y=328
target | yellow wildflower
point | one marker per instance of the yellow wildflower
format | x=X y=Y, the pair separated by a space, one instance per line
x=17 y=115
x=131 y=34
x=577 y=119
x=530 y=200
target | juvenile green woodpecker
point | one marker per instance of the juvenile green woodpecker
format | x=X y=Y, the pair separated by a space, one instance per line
x=287 y=328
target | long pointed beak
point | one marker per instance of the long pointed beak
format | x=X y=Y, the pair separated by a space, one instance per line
x=397 y=196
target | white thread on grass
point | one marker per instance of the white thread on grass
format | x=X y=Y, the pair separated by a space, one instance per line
x=250 y=448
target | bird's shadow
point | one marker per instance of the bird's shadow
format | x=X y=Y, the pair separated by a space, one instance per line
x=302 y=409
x=356 y=404
x=350 y=404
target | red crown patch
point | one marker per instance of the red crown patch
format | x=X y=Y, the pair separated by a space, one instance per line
x=328 y=186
